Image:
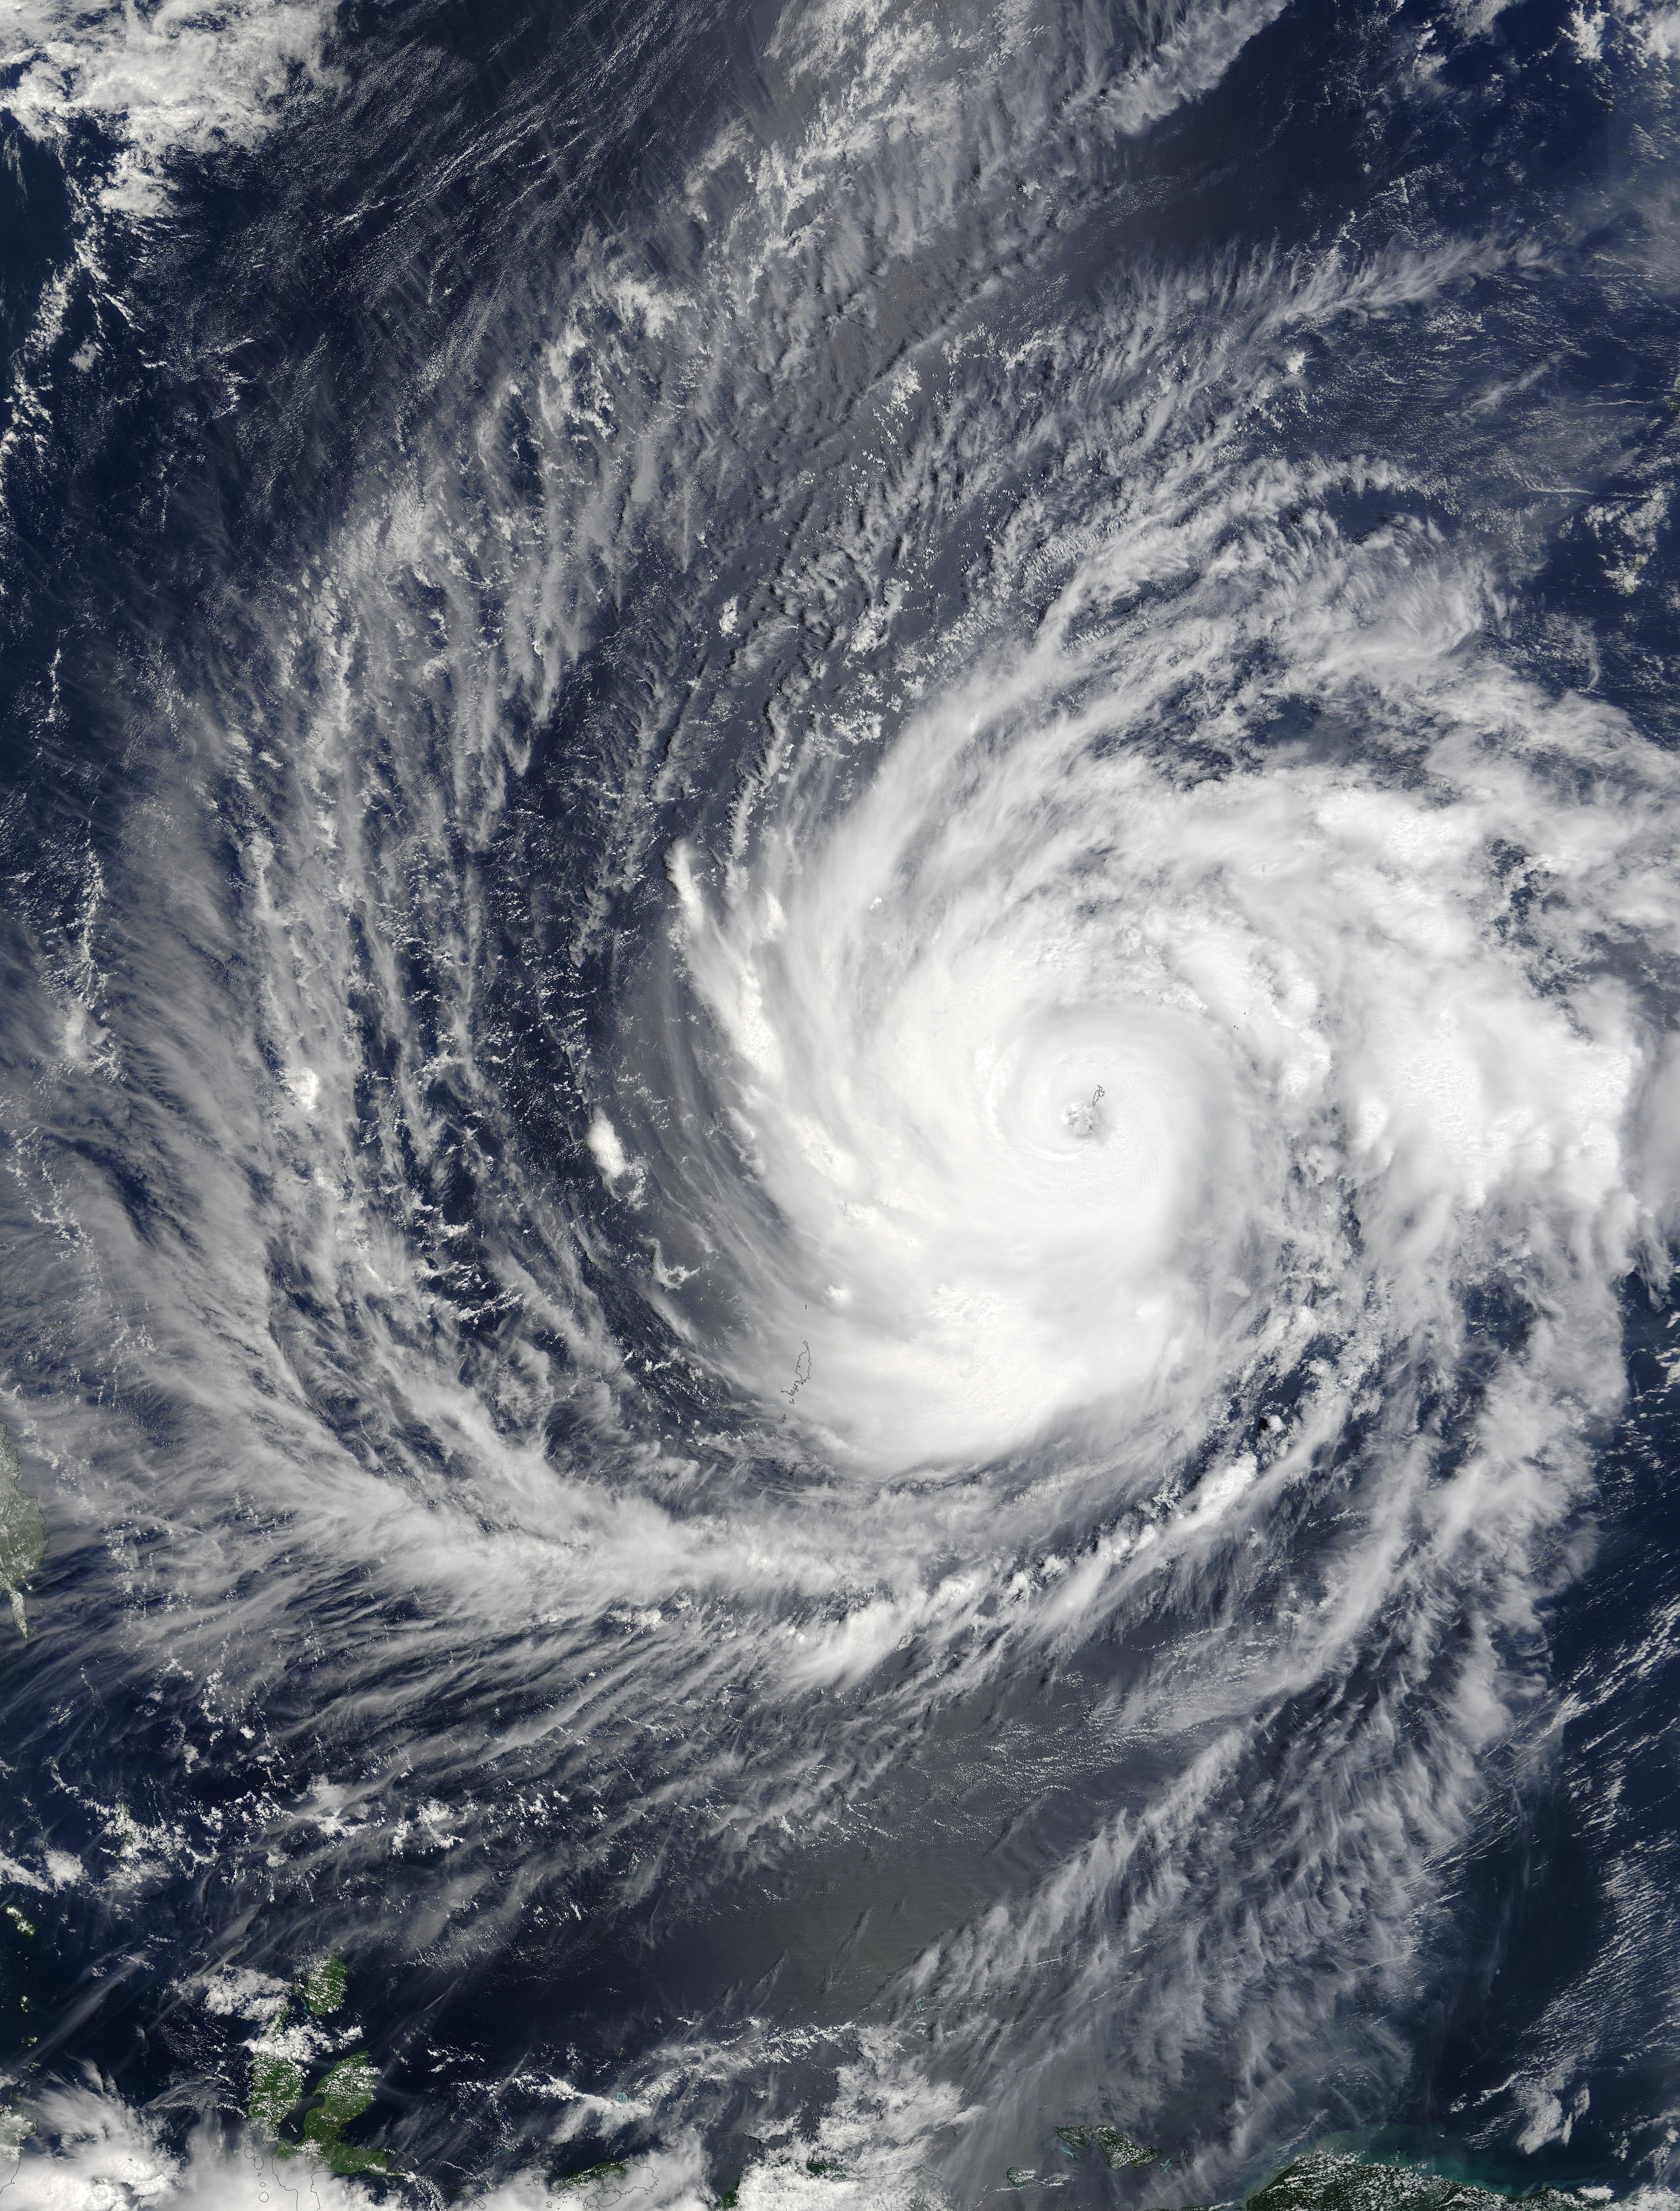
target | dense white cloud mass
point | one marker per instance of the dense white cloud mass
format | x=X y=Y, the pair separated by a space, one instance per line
x=1075 y=1082
x=171 y=79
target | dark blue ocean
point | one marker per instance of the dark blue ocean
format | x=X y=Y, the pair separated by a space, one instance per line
x=839 y=1103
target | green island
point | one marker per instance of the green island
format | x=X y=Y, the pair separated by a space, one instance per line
x=22 y=1533
x=323 y=1987
x=1328 y=2179
x=818 y=2168
x=278 y=2078
x=15 y=2128
x=1118 y=2150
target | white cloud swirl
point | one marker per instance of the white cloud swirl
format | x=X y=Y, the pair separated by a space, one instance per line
x=1353 y=1029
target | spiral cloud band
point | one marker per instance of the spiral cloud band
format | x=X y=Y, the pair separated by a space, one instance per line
x=841 y=1102
x=1060 y=1084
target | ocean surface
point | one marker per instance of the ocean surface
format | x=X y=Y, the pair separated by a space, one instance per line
x=839 y=1103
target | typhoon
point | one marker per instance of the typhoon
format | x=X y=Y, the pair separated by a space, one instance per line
x=840 y=1095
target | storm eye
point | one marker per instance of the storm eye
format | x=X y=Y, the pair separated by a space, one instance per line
x=1080 y=1116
